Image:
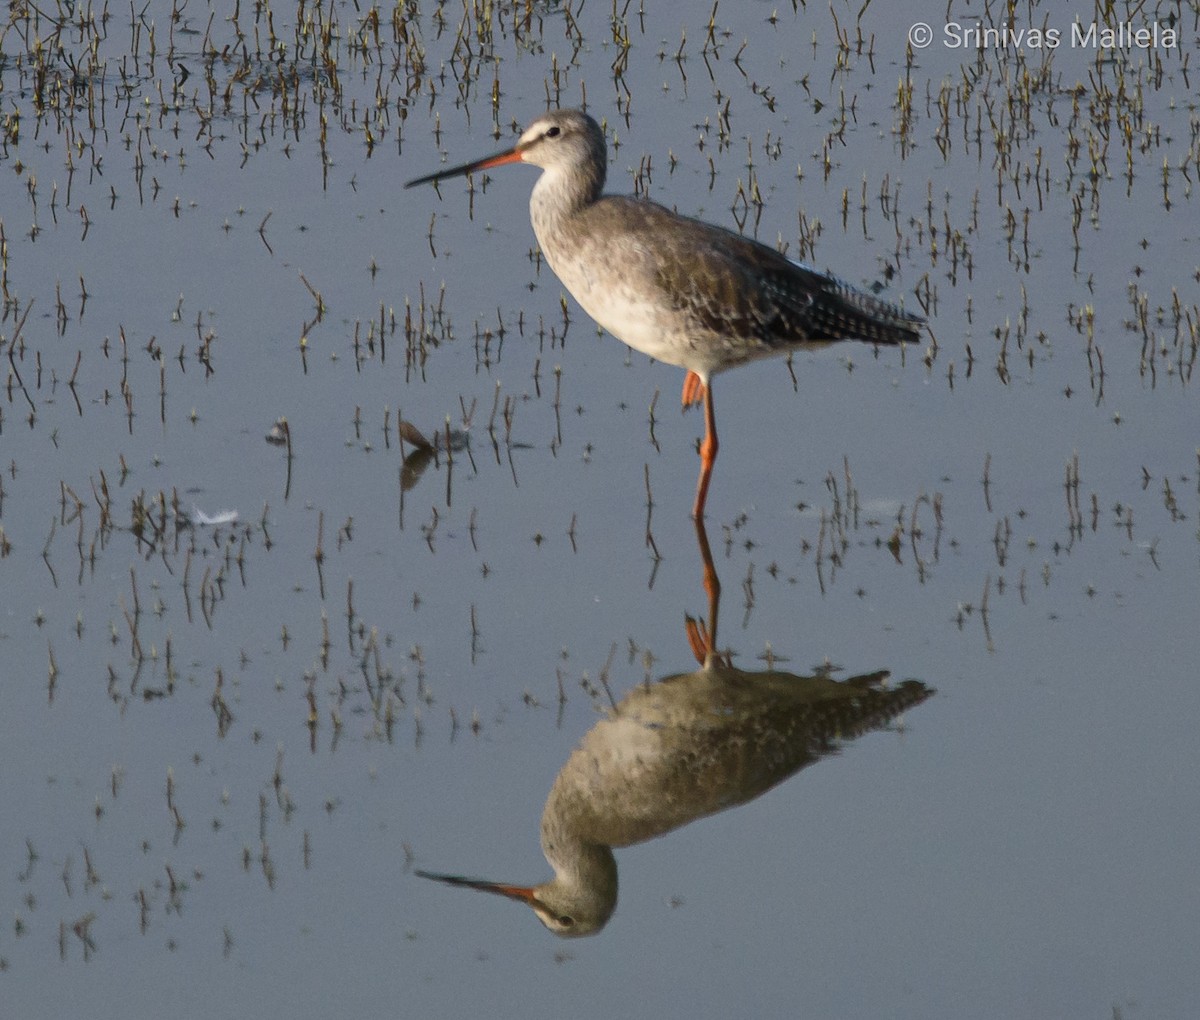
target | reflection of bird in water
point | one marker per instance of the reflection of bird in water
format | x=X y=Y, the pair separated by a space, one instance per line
x=674 y=751
x=680 y=290
x=679 y=749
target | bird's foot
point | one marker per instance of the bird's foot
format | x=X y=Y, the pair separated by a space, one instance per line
x=701 y=642
x=697 y=638
x=693 y=390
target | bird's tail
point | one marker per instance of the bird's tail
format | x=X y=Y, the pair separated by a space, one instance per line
x=840 y=310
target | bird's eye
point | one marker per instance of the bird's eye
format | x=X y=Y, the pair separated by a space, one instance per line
x=554 y=132
x=566 y=920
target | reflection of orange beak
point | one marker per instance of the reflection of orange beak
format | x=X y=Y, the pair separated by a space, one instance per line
x=512 y=155
x=524 y=893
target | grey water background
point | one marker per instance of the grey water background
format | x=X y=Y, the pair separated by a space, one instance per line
x=226 y=747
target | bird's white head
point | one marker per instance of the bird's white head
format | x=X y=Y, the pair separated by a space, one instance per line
x=568 y=140
x=567 y=143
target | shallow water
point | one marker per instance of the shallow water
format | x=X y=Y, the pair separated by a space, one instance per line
x=227 y=748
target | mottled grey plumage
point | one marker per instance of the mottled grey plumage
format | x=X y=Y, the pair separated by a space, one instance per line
x=680 y=290
x=713 y=299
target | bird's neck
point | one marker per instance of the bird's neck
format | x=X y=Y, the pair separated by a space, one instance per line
x=560 y=194
x=584 y=884
x=588 y=868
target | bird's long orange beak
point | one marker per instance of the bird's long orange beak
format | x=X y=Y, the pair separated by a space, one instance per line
x=512 y=155
x=523 y=893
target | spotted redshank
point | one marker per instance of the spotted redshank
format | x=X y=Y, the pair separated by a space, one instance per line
x=679 y=749
x=680 y=290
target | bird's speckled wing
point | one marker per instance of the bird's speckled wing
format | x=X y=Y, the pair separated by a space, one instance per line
x=738 y=292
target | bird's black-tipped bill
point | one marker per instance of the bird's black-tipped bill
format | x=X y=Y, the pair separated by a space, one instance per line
x=513 y=892
x=499 y=159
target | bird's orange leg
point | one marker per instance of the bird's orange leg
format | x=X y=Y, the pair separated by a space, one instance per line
x=693 y=390
x=703 y=637
x=708 y=453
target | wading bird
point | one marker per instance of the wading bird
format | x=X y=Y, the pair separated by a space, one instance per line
x=680 y=290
